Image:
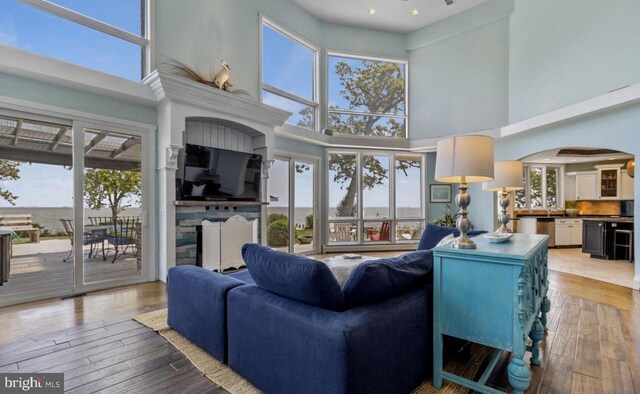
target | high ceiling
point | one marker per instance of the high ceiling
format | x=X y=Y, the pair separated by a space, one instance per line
x=390 y=15
x=558 y=156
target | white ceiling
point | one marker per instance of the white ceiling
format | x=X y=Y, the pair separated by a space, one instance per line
x=391 y=15
x=551 y=157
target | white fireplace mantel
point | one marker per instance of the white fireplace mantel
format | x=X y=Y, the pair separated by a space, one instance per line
x=179 y=100
x=237 y=107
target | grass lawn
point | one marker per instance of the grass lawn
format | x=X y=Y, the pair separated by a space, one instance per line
x=42 y=238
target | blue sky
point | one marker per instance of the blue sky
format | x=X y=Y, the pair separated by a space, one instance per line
x=41 y=185
x=32 y=30
x=35 y=31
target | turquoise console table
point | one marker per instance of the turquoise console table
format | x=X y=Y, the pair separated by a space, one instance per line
x=495 y=295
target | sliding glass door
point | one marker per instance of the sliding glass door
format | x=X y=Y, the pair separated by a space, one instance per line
x=292 y=211
x=74 y=199
x=113 y=206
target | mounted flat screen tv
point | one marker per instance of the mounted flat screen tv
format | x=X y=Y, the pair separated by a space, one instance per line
x=220 y=175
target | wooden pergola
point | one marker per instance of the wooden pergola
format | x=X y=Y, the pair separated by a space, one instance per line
x=49 y=143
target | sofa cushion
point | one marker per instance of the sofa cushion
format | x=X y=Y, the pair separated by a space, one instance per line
x=376 y=280
x=295 y=277
x=433 y=234
x=244 y=276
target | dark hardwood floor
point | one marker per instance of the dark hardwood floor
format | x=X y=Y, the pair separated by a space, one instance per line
x=593 y=343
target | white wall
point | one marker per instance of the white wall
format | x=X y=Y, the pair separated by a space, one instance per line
x=564 y=52
x=459 y=76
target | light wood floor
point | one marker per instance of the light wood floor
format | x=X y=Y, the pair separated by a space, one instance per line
x=573 y=261
x=593 y=344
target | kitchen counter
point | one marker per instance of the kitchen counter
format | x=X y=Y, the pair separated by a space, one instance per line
x=610 y=219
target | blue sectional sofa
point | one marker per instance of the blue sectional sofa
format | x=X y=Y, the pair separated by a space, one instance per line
x=287 y=326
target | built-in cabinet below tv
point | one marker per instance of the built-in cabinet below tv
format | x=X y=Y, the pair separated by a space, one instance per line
x=204 y=203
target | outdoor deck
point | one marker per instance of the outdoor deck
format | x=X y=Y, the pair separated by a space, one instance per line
x=40 y=267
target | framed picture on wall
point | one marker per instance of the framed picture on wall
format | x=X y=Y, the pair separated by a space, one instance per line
x=440 y=193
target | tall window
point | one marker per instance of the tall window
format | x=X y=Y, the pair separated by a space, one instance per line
x=541 y=188
x=375 y=197
x=107 y=36
x=289 y=75
x=367 y=96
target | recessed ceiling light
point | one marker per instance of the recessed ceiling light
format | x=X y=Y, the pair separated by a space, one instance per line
x=547 y=159
x=612 y=158
x=372 y=11
x=574 y=159
x=415 y=12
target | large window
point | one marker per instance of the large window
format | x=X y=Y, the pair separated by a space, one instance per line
x=289 y=75
x=541 y=188
x=366 y=96
x=375 y=197
x=107 y=36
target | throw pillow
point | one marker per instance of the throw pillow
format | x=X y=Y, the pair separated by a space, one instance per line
x=342 y=267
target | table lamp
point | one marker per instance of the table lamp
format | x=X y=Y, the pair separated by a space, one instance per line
x=508 y=178
x=464 y=159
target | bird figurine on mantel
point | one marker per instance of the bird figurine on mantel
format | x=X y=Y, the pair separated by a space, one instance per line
x=221 y=78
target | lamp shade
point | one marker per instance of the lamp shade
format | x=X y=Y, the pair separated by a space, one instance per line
x=507 y=176
x=466 y=158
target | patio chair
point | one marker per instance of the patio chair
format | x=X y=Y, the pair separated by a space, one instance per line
x=342 y=232
x=384 y=232
x=87 y=239
x=100 y=220
x=122 y=236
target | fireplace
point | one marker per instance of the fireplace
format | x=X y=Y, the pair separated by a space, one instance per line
x=195 y=113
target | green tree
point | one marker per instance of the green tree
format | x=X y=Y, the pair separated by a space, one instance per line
x=111 y=188
x=9 y=171
x=376 y=88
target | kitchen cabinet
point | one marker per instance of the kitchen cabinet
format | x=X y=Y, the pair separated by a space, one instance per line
x=609 y=181
x=626 y=186
x=568 y=232
x=587 y=185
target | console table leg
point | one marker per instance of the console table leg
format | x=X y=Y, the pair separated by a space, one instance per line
x=536 y=335
x=545 y=308
x=519 y=374
x=437 y=361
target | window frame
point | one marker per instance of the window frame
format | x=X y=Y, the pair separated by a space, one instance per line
x=357 y=56
x=143 y=41
x=543 y=184
x=315 y=103
x=359 y=219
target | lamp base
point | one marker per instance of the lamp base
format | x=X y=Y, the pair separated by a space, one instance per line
x=463 y=224
x=504 y=215
x=463 y=243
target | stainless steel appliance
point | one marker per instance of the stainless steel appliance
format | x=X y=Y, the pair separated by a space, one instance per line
x=547 y=226
x=626 y=208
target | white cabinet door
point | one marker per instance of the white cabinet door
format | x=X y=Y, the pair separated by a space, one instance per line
x=587 y=186
x=626 y=186
x=575 y=234
x=569 y=188
x=563 y=235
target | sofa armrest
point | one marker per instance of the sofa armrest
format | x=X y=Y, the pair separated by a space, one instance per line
x=197 y=301
x=284 y=346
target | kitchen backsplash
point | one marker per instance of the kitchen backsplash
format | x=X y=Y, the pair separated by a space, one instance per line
x=598 y=207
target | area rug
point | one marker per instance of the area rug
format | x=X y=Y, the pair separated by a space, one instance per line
x=226 y=378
